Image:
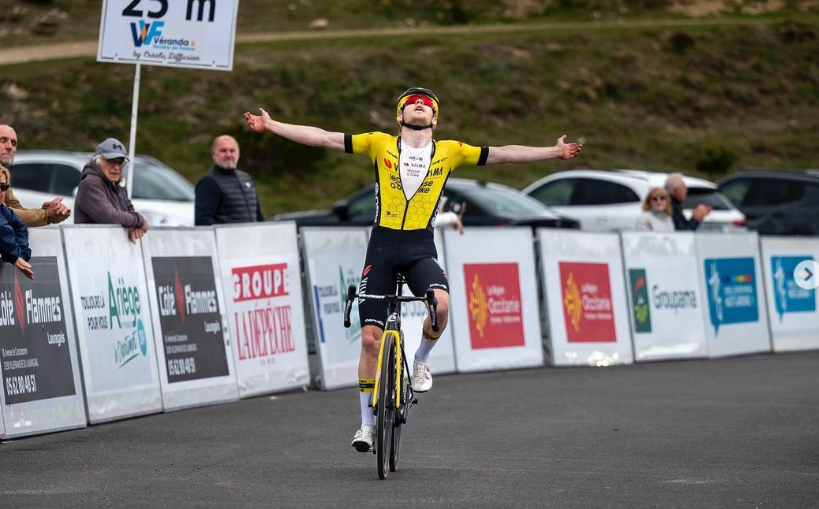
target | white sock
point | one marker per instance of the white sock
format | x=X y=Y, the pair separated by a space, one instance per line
x=427 y=342
x=367 y=417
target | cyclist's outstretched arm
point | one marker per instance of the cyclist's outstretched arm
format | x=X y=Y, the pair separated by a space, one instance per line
x=522 y=154
x=304 y=134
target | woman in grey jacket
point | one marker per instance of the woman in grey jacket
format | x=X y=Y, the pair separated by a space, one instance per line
x=101 y=199
x=656 y=214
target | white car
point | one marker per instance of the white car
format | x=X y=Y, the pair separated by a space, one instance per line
x=160 y=194
x=611 y=200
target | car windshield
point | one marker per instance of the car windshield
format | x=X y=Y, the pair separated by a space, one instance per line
x=502 y=200
x=705 y=196
x=155 y=182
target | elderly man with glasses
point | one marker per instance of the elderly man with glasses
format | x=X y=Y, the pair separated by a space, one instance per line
x=101 y=197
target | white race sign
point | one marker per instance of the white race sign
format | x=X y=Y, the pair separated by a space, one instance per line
x=175 y=33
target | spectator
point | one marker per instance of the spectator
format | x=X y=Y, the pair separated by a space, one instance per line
x=101 y=198
x=450 y=218
x=226 y=194
x=13 y=232
x=51 y=212
x=676 y=188
x=656 y=216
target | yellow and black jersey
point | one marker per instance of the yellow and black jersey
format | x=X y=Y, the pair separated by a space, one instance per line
x=393 y=210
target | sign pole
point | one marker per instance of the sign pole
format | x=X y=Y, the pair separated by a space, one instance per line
x=132 y=141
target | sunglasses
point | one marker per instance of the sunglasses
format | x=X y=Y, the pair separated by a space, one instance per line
x=116 y=162
x=4 y=187
x=658 y=198
x=414 y=98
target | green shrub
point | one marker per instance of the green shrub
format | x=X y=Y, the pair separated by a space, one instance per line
x=716 y=159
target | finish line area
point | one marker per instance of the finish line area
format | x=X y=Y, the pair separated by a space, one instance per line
x=738 y=432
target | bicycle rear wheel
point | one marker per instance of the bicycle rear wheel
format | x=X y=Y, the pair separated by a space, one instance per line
x=385 y=409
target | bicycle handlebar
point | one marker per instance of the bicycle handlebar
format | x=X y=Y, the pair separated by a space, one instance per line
x=348 y=306
x=433 y=313
x=429 y=298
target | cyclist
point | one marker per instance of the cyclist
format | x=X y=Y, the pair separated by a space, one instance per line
x=411 y=171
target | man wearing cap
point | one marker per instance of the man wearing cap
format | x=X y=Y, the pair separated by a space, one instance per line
x=226 y=194
x=51 y=212
x=101 y=199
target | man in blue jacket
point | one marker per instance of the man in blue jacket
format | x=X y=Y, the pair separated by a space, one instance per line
x=676 y=188
x=13 y=232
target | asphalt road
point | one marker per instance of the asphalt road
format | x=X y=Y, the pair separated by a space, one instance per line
x=740 y=432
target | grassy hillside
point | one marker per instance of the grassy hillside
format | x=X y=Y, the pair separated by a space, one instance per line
x=694 y=99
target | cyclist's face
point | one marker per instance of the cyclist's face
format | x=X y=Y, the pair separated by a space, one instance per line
x=418 y=110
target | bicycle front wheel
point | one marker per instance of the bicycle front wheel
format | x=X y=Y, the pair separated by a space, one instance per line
x=385 y=409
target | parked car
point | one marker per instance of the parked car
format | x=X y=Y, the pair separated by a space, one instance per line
x=160 y=194
x=487 y=204
x=776 y=203
x=611 y=200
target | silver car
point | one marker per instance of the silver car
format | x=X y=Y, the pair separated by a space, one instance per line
x=611 y=200
x=161 y=195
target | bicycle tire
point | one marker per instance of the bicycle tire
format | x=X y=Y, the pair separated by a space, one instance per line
x=398 y=419
x=385 y=414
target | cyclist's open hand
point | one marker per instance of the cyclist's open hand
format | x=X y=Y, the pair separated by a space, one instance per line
x=258 y=122
x=568 y=150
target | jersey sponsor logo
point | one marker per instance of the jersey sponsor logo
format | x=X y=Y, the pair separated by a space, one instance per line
x=388 y=163
x=436 y=172
x=367 y=270
x=587 y=303
x=494 y=303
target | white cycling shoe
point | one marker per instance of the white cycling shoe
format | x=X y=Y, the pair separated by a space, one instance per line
x=421 y=376
x=363 y=439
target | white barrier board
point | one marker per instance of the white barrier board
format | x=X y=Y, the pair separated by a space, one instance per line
x=665 y=300
x=793 y=311
x=585 y=295
x=192 y=342
x=413 y=314
x=493 y=298
x=734 y=309
x=42 y=390
x=114 y=330
x=334 y=259
x=262 y=287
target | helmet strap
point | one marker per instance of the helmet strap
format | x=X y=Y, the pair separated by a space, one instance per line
x=415 y=127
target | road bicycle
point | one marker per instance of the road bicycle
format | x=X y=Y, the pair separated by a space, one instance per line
x=392 y=396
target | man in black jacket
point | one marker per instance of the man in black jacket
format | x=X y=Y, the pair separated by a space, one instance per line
x=676 y=188
x=226 y=194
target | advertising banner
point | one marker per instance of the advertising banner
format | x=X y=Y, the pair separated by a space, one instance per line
x=493 y=298
x=731 y=283
x=334 y=259
x=192 y=340
x=114 y=330
x=41 y=391
x=585 y=297
x=665 y=303
x=262 y=285
x=198 y=34
x=791 y=268
x=413 y=314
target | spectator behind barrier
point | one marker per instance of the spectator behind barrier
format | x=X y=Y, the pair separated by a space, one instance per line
x=676 y=188
x=52 y=211
x=656 y=216
x=13 y=232
x=101 y=198
x=226 y=194
x=450 y=218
